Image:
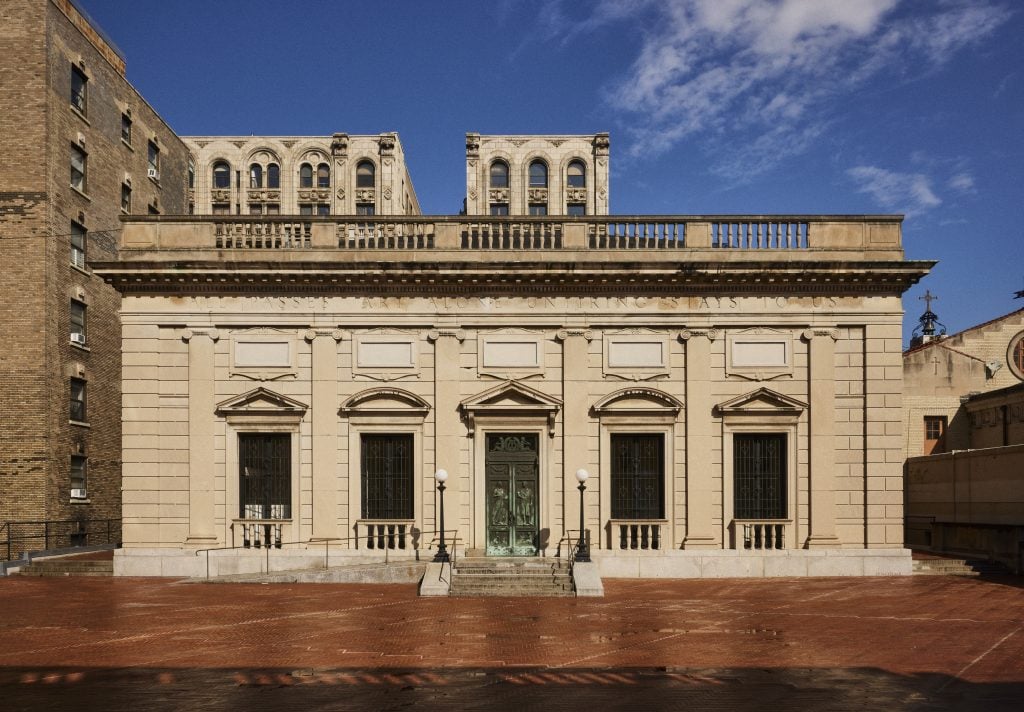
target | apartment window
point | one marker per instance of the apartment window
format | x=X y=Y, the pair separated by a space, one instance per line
x=255 y=209
x=934 y=434
x=221 y=208
x=366 y=174
x=77 y=412
x=78 y=472
x=305 y=208
x=273 y=209
x=305 y=176
x=264 y=476
x=273 y=176
x=576 y=175
x=314 y=209
x=576 y=209
x=387 y=476
x=255 y=176
x=126 y=129
x=365 y=209
x=126 y=198
x=499 y=208
x=78 y=322
x=78 y=167
x=538 y=208
x=79 y=84
x=78 y=240
x=153 y=158
x=323 y=209
x=221 y=175
x=499 y=175
x=538 y=175
x=191 y=173
x=323 y=176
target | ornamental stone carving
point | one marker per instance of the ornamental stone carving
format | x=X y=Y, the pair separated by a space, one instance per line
x=538 y=195
x=339 y=144
x=387 y=193
x=314 y=194
x=365 y=195
x=220 y=195
x=473 y=144
x=386 y=143
x=498 y=195
x=602 y=143
x=341 y=194
x=576 y=195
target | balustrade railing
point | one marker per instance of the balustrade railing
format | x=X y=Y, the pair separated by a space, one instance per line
x=641 y=534
x=18 y=537
x=376 y=534
x=265 y=234
x=512 y=235
x=760 y=235
x=385 y=235
x=635 y=235
x=259 y=533
x=760 y=535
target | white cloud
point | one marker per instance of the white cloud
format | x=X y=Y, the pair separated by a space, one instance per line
x=962 y=182
x=761 y=73
x=908 y=193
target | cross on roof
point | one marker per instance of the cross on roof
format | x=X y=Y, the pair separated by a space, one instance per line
x=928 y=299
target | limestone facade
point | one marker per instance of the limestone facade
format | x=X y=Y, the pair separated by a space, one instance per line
x=663 y=359
x=537 y=175
x=292 y=175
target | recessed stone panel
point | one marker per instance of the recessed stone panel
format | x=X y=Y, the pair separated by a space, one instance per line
x=262 y=354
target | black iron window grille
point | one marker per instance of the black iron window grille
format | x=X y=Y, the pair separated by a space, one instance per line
x=637 y=476
x=264 y=475
x=387 y=476
x=759 y=470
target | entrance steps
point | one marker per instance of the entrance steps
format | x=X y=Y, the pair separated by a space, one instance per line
x=98 y=564
x=935 y=565
x=532 y=576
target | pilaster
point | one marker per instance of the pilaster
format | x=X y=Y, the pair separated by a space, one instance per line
x=822 y=396
x=201 y=446
x=575 y=424
x=700 y=473
x=449 y=433
x=323 y=414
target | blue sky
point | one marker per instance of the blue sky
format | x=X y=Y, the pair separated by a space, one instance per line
x=714 y=106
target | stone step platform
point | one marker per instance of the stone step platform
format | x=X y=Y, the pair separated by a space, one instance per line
x=482 y=576
x=67 y=567
x=933 y=565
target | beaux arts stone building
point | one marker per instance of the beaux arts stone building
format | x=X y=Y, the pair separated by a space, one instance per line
x=732 y=384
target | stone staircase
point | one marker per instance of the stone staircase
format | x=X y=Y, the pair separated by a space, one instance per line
x=480 y=576
x=100 y=563
x=953 y=566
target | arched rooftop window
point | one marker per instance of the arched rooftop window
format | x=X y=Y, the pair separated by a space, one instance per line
x=366 y=174
x=273 y=176
x=576 y=175
x=323 y=176
x=538 y=174
x=255 y=176
x=305 y=176
x=221 y=175
x=499 y=174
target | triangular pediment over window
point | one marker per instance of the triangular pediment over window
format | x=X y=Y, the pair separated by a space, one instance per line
x=385 y=401
x=261 y=401
x=638 y=401
x=763 y=401
x=511 y=398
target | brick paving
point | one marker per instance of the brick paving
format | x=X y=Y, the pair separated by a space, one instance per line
x=913 y=643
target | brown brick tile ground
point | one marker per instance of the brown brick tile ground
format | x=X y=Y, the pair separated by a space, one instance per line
x=915 y=643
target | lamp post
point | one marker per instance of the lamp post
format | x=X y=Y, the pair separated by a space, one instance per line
x=441 y=557
x=583 y=548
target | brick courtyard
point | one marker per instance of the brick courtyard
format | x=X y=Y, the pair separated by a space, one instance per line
x=812 y=644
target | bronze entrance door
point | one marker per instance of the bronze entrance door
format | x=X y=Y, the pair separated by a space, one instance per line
x=511 y=487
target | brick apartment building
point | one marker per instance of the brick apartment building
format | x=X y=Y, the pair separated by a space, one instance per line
x=79 y=147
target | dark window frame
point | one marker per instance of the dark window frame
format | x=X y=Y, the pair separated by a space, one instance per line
x=501 y=175
x=387 y=475
x=366 y=174
x=78 y=401
x=637 y=475
x=265 y=475
x=761 y=476
x=79 y=244
x=82 y=172
x=221 y=175
x=79 y=97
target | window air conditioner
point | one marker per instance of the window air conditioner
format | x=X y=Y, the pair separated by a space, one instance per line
x=77 y=494
x=77 y=338
x=153 y=173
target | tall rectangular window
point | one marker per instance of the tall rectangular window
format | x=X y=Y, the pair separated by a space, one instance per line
x=265 y=475
x=126 y=129
x=387 y=476
x=78 y=166
x=365 y=209
x=77 y=412
x=576 y=209
x=934 y=434
x=79 y=84
x=77 y=322
x=499 y=208
x=638 y=476
x=538 y=208
x=78 y=241
x=759 y=473
x=153 y=158
x=126 y=198
x=78 y=476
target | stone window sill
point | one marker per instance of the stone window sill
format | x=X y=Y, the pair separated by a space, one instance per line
x=81 y=193
x=79 y=423
x=80 y=347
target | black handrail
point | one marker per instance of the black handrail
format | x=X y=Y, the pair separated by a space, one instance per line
x=82 y=533
x=327 y=547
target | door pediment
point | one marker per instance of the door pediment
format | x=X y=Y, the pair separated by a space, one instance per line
x=638 y=401
x=261 y=401
x=384 y=401
x=511 y=399
x=762 y=402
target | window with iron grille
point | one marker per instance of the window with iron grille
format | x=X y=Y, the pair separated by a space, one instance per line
x=637 y=476
x=759 y=472
x=265 y=475
x=387 y=476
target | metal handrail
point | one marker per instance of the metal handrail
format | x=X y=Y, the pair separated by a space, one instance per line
x=82 y=533
x=327 y=547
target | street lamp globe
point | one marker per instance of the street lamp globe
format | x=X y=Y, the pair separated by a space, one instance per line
x=441 y=476
x=582 y=475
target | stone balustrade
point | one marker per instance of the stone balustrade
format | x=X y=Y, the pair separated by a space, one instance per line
x=644 y=534
x=650 y=233
x=381 y=534
x=759 y=535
